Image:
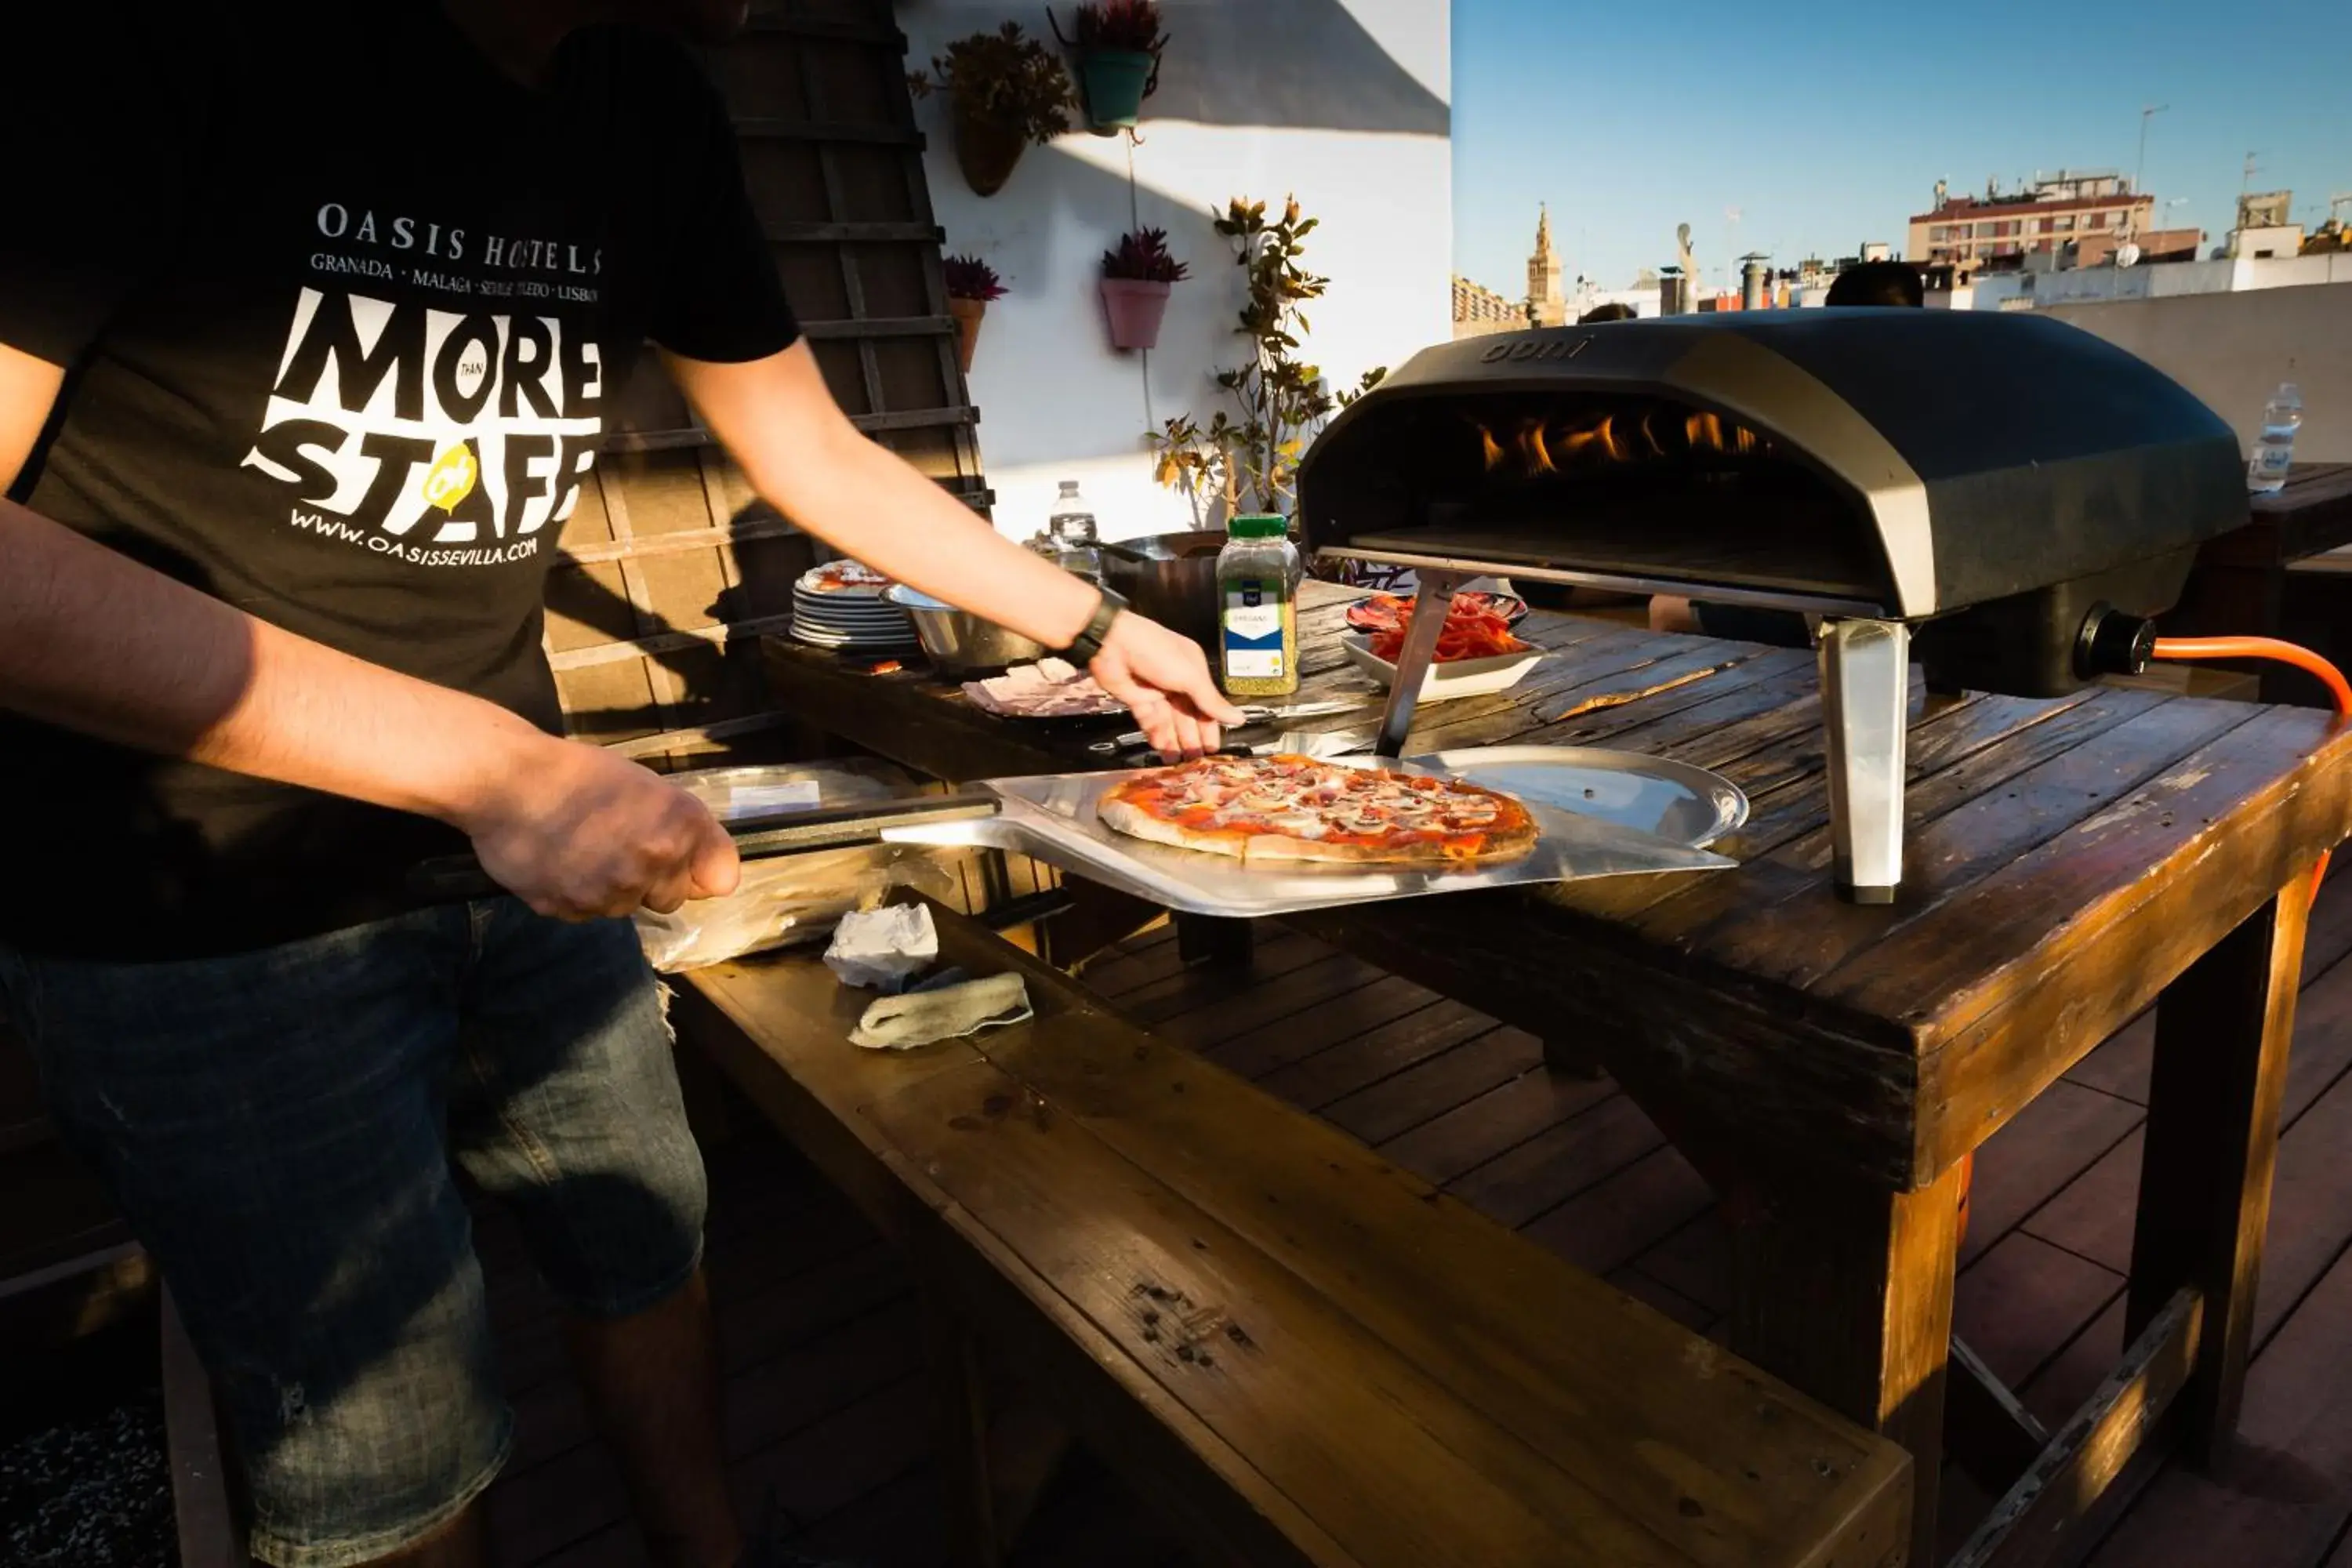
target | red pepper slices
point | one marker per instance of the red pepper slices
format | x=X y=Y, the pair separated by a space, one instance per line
x=1477 y=626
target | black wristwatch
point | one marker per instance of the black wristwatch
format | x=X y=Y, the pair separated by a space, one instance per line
x=1088 y=644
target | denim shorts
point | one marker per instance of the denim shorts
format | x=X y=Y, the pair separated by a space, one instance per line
x=279 y=1127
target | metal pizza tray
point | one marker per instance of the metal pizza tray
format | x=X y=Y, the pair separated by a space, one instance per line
x=1654 y=795
x=1052 y=818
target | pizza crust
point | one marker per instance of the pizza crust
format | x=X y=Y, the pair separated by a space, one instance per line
x=1125 y=816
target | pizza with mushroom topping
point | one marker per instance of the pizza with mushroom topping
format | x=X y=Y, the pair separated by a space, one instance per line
x=1295 y=808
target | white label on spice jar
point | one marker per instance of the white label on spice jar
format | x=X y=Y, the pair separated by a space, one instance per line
x=1254 y=629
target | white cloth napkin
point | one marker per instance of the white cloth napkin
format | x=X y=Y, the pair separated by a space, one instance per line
x=952 y=1011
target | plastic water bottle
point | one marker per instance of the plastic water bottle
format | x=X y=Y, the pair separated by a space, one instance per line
x=1071 y=524
x=2275 y=449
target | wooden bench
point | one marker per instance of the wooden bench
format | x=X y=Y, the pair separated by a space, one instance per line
x=1298 y=1352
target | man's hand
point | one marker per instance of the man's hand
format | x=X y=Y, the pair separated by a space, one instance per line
x=578 y=833
x=1165 y=683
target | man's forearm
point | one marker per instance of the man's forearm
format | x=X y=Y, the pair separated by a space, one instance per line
x=93 y=642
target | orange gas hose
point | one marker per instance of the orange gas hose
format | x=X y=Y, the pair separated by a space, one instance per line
x=2303 y=659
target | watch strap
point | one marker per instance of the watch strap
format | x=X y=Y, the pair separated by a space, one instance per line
x=1089 y=643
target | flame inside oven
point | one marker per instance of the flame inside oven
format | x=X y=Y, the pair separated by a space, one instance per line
x=1537 y=445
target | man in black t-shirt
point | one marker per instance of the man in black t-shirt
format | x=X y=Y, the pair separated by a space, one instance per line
x=311 y=317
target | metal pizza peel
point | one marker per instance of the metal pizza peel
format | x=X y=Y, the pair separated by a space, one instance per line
x=1596 y=814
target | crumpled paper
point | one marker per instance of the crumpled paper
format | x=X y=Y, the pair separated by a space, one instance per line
x=882 y=948
x=948 y=1013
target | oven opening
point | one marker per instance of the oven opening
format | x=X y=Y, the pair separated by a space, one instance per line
x=1650 y=491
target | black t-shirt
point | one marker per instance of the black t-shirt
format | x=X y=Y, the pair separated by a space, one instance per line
x=344 y=311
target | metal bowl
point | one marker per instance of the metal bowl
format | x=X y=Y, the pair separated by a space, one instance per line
x=1170 y=577
x=958 y=641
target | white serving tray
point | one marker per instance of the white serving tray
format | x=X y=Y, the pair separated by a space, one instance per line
x=1462 y=677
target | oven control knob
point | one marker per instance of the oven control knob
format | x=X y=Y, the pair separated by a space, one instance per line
x=2113 y=643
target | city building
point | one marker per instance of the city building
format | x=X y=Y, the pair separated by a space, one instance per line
x=2001 y=229
x=2263 y=232
x=1478 y=309
x=1551 y=300
x=1546 y=277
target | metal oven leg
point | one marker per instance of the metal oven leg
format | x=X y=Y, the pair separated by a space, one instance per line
x=1429 y=607
x=1865 y=690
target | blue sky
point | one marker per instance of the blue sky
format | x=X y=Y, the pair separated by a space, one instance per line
x=1828 y=123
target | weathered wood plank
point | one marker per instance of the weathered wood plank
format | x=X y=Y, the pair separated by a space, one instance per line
x=2058 y=1137
x=1989 y=830
x=1848 y=1292
x=1255 y=1052
x=2221 y=1037
x=1431 y=1283
x=1377 y=1054
x=1422 y=1093
x=2131 y=896
x=1334 y=1417
x=2024 y=1301
x=2027 y=1528
x=1469 y=1134
x=1988 y=1432
x=1570 y=1158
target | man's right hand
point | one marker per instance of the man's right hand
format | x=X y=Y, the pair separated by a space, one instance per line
x=578 y=833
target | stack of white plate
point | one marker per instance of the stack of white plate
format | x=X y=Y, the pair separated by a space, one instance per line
x=840 y=606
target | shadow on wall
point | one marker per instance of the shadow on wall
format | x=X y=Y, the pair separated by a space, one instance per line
x=1282 y=64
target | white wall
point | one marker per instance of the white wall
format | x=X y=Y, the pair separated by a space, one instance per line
x=2157 y=280
x=2232 y=350
x=1344 y=102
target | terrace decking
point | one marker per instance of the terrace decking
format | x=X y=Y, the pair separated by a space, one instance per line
x=828 y=1408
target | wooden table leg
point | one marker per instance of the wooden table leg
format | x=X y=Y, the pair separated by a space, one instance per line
x=2222 y=1030
x=959 y=1407
x=1211 y=939
x=1847 y=1293
x=1098 y=918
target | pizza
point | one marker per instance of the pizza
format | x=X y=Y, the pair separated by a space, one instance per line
x=1295 y=808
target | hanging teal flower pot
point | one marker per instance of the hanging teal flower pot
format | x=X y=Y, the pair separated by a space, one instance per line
x=1115 y=82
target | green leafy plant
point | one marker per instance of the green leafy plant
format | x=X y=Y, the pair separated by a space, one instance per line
x=1249 y=457
x=1144 y=254
x=969 y=277
x=1007 y=77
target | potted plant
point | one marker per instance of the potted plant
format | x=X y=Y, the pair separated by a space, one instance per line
x=1248 y=459
x=1007 y=90
x=1136 y=279
x=1117 y=46
x=972 y=284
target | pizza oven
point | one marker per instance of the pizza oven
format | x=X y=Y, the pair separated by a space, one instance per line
x=2004 y=498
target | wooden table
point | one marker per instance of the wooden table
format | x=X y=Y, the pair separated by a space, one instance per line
x=1828 y=1068
x=2239 y=584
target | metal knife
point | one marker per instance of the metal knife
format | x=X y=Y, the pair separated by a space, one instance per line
x=1317 y=743
x=1251 y=716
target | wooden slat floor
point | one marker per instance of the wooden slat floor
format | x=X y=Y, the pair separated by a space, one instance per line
x=825 y=1406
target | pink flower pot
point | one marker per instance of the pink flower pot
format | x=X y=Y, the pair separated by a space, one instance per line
x=1134 y=307
x=967 y=314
